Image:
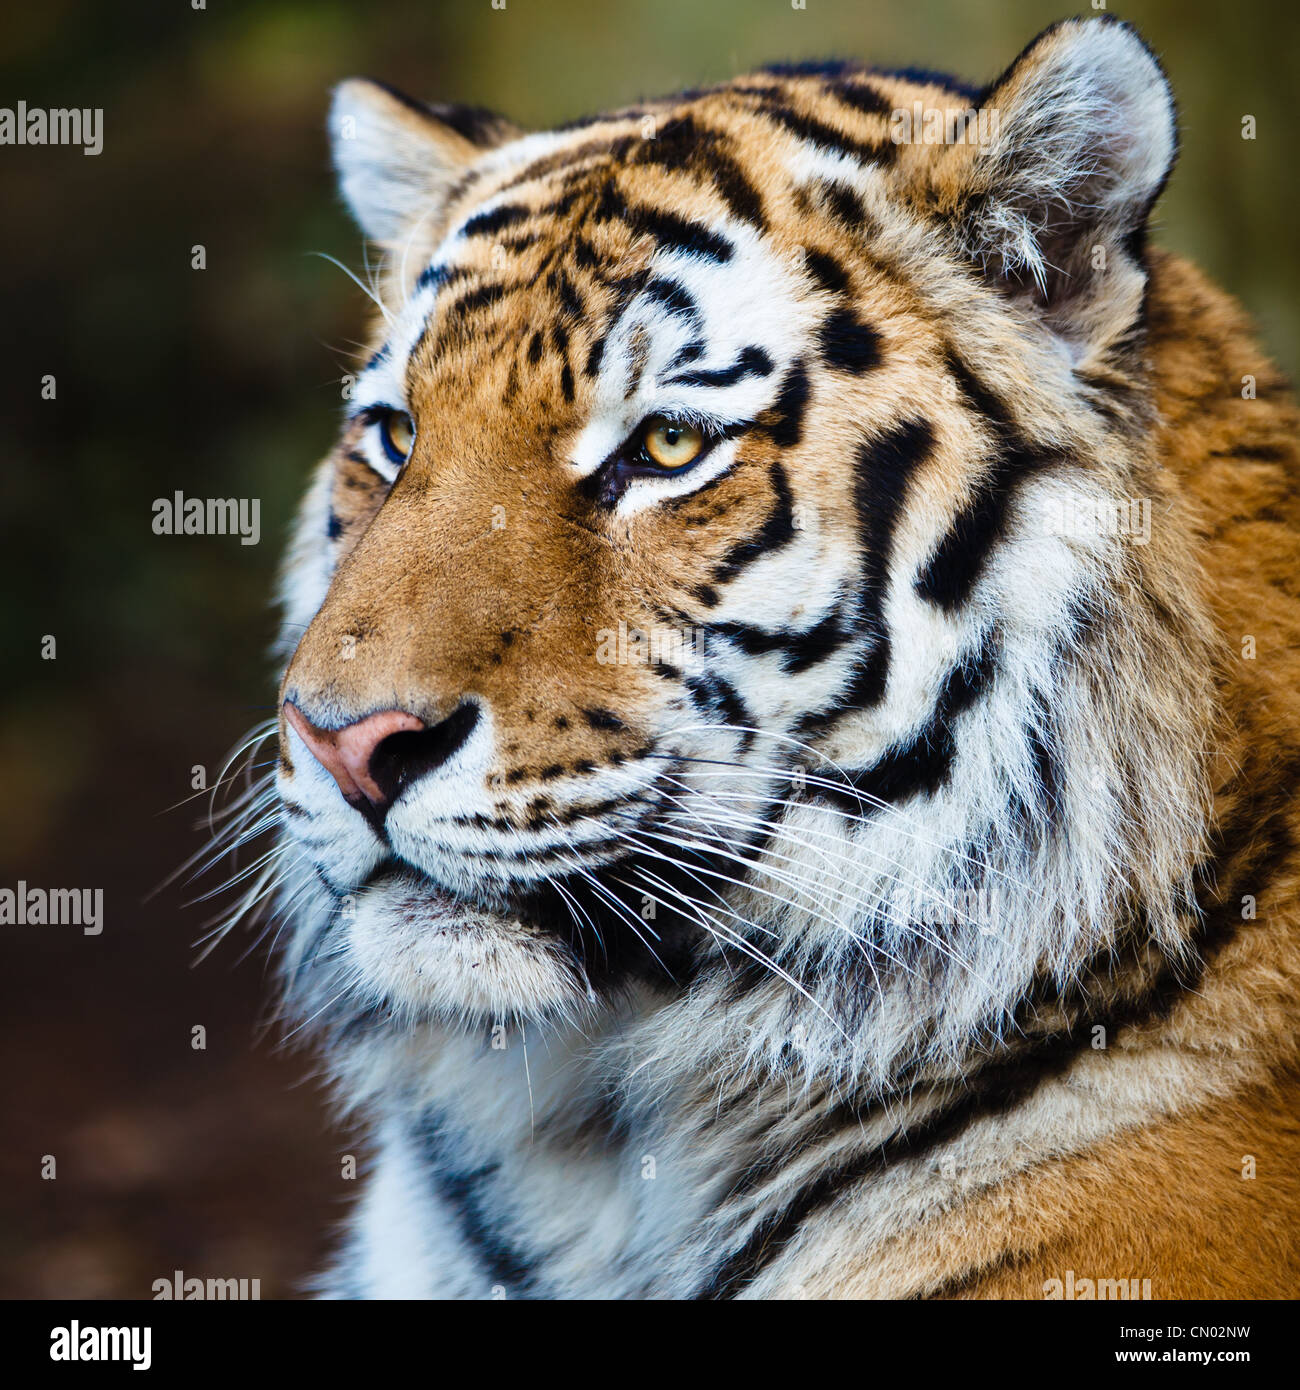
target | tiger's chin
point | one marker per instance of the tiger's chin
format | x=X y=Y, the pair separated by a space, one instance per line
x=425 y=953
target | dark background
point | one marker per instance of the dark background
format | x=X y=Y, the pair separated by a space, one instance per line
x=225 y=383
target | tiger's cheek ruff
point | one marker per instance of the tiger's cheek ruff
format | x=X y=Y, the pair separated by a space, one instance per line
x=889 y=787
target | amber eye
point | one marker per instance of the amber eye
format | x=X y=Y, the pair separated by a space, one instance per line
x=396 y=434
x=671 y=444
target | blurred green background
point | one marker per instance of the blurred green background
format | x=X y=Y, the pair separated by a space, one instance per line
x=224 y=382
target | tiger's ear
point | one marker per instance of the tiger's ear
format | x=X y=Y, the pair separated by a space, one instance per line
x=1084 y=137
x=398 y=158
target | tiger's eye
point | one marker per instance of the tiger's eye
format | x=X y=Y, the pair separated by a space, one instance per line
x=397 y=434
x=671 y=444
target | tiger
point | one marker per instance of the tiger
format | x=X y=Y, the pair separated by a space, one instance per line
x=787 y=736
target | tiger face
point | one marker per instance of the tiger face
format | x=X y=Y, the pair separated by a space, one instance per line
x=683 y=585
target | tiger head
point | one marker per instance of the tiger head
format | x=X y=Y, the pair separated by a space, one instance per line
x=697 y=593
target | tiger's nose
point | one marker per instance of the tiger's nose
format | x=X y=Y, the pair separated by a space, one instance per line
x=373 y=759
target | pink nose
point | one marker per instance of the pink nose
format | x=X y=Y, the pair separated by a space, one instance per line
x=346 y=753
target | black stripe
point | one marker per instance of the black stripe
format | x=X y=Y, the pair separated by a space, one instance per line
x=978 y=396
x=627 y=286
x=669 y=231
x=862 y=97
x=848 y=344
x=571 y=166
x=928 y=77
x=799 y=650
x=676 y=233
x=682 y=143
x=1048 y=778
x=827 y=271
x=739 y=194
x=828 y=137
x=777 y=530
x=753 y=361
x=677 y=143
x=753 y=641
x=714 y=694
x=481 y=298
x=812 y=67
x=674 y=297
x=495 y=220
x=688 y=352
x=950 y=575
x=461 y=1191
x=570 y=299
x=1260 y=453
x=584 y=254
x=440 y=275
x=564 y=203
x=885 y=468
x=845 y=205
x=784 y=422
x=521 y=242
x=816 y=644
x=923 y=763
x=602 y=719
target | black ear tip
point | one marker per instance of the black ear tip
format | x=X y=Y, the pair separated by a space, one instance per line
x=475 y=124
x=1081 y=29
x=397 y=157
x=421 y=108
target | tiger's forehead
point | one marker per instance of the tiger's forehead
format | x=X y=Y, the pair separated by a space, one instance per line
x=653 y=232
